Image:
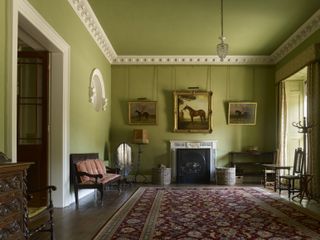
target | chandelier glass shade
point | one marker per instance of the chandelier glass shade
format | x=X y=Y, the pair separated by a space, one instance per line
x=222 y=47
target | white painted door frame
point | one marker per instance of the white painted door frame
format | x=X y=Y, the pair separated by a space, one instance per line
x=23 y=15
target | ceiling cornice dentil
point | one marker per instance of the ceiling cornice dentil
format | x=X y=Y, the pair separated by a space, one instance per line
x=88 y=18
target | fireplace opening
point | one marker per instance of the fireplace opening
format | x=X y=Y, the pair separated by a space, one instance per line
x=193 y=165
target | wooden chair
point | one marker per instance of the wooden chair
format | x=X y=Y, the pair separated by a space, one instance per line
x=40 y=218
x=296 y=176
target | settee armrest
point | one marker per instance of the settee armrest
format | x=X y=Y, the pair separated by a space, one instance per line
x=112 y=170
x=95 y=176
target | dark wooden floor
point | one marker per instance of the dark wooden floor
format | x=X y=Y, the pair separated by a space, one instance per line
x=84 y=223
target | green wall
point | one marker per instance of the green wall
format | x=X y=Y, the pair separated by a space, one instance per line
x=2 y=70
x=228 y=83
x=89 y=130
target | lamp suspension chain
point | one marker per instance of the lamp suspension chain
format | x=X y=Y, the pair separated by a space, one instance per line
x=221 y=15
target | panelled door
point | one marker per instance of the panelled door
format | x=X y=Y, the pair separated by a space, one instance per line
x=32 y=118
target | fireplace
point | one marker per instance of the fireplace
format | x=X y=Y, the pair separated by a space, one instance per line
x=193 y=165
x=193 y=161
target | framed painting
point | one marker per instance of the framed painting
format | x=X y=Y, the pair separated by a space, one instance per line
x=242 y=113
x=192 y=111
x=142 y=112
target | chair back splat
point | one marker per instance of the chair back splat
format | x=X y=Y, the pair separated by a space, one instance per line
x=298 y=164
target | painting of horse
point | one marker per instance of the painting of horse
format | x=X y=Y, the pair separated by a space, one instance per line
x=196 y=113
x=192 y=111
x=142 y=115
x=242 y=113
x=142 y=112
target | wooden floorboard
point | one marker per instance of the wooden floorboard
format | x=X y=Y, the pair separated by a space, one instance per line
x=85 y=222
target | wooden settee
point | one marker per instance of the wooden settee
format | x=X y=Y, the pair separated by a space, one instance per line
x=89 y=172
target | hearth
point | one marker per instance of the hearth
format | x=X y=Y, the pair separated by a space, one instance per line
x=205 y=149
x=193 y=165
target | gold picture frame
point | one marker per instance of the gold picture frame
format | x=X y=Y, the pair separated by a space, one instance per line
x=192 y=111
x=142 y=112
x=242 y=113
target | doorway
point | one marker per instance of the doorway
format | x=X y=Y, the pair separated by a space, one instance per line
x=22 y=16
x=32 y=118
x=295 y=110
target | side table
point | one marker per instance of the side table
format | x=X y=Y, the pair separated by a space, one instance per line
x=276 y=169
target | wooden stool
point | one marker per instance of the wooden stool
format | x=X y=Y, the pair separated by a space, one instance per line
x=269 y=178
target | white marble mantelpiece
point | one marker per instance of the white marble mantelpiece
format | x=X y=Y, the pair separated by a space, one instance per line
x=183 y=144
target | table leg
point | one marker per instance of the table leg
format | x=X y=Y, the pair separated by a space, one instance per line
x=276 y=180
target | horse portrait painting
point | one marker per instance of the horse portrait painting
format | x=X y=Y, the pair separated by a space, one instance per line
x=192 y=111
x=142 y=112
x=196 y=113
x=242 y=113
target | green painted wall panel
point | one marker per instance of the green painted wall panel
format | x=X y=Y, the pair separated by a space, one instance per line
x=241 y=83
x=256 y=84
x=191 y=76
x=143 y=77
x=2 y=71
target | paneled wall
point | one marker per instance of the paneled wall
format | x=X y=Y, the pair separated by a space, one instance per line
x=228 y=83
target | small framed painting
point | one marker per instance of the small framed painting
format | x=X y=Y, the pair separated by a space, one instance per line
x=142 y=112
x=242 y=113
x=192 y=111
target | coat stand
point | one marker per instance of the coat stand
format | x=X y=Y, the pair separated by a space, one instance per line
x=306 y=178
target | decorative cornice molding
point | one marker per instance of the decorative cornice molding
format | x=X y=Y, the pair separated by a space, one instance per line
x=88 y=18
x=192 y=60
x=302 y=33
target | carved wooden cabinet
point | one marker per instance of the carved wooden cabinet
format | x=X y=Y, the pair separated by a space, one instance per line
x=13 y=200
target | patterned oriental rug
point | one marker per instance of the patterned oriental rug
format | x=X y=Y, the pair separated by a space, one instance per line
x=209 y=213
